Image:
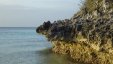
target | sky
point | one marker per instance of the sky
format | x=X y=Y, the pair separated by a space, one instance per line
x=32 y=13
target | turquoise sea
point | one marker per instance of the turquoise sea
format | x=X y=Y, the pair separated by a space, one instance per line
x=25 y=46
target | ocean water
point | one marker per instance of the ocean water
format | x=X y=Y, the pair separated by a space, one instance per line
x=25 y=46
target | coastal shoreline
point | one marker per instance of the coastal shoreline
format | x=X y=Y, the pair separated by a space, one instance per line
x=86 y=37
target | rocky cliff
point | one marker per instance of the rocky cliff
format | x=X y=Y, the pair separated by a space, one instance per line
x=87 y=36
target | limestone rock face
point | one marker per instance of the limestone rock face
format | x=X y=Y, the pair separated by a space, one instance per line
x=90 y=30
x=94 y=22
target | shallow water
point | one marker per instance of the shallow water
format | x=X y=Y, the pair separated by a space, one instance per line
x=25 y=46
